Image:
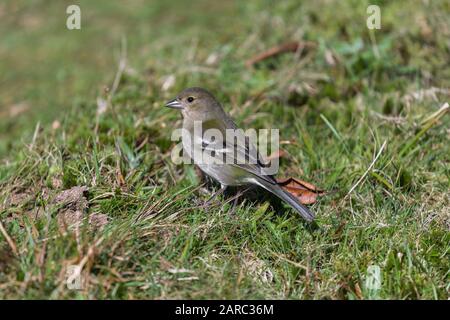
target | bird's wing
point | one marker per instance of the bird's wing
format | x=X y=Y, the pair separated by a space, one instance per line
x=240 y=149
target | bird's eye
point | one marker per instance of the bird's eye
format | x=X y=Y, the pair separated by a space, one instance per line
x=190 y=99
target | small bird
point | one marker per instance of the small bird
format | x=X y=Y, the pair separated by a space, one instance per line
x=197 y=105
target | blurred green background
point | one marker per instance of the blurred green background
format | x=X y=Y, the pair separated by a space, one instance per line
x=46 y=68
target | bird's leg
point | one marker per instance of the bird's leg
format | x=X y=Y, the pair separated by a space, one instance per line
x=234 y=205
x=214 y=195
x=236 y=199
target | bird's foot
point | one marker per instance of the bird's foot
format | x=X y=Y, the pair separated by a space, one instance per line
x=208 y=202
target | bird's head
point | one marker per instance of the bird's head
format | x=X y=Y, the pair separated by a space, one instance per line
x=194 y=101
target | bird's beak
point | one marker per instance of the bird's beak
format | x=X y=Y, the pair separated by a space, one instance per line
x=174 y=104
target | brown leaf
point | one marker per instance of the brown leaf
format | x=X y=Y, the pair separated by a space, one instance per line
x=305 y=192
x=292 y=46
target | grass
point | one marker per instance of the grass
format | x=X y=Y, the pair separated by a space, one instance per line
x=335 y=105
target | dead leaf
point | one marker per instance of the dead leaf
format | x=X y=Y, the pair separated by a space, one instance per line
x=292 y=46
x=305 y=192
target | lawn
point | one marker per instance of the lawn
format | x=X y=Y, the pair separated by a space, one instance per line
x=86 y=177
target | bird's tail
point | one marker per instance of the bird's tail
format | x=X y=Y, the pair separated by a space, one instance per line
x=287 y=197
